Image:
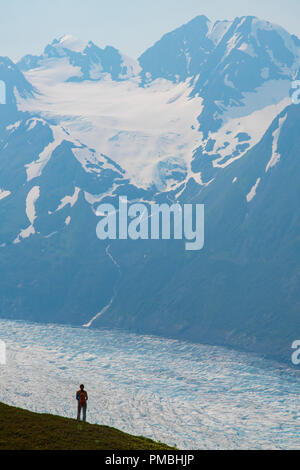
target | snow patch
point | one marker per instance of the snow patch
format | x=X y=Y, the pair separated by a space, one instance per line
x=31 y=199
x=71 y=43
x=86 y=156
x=275 y=158
x=69 y=200
x=35 y=168
x=94 y=198
x=132 y=67
x=218 y=30
x=4 y=193
x=25 y=233
x=96 y=71
x=228 y=82
x=248 y=49
x=14 y=126
x=252 y=193
x=253 y=117
x=31 y=123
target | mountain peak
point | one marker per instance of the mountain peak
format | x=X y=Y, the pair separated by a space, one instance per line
x=69 y=42
x=199 y=19
x=79 y=60
x=14 y=80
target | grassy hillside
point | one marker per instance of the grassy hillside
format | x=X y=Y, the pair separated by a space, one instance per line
x=24 y=430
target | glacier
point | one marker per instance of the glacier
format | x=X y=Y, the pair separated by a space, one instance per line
x=189 y=395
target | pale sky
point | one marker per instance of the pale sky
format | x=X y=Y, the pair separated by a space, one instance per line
x=132 y=26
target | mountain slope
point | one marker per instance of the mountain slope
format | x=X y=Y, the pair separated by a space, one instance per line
x=180 y=53
x=242 y=288
x=24 y=430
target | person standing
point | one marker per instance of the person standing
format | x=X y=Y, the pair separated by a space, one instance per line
x=82 y=398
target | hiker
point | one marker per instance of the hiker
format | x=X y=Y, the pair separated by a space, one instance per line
x=82 y=398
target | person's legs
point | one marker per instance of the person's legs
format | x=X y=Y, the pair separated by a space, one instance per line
x=84 y=412
x=78 y=412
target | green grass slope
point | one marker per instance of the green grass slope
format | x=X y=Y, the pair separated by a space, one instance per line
x=23 y=430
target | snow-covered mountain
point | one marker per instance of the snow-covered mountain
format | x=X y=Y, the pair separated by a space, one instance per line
x=204 y=115
x=224 y=48
x=15 y=83
x=150 y=115
x=70 y=59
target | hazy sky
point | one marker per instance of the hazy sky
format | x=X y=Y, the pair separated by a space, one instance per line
x=26 y=26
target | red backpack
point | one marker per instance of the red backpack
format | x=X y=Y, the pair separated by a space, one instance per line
x=82 y=398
